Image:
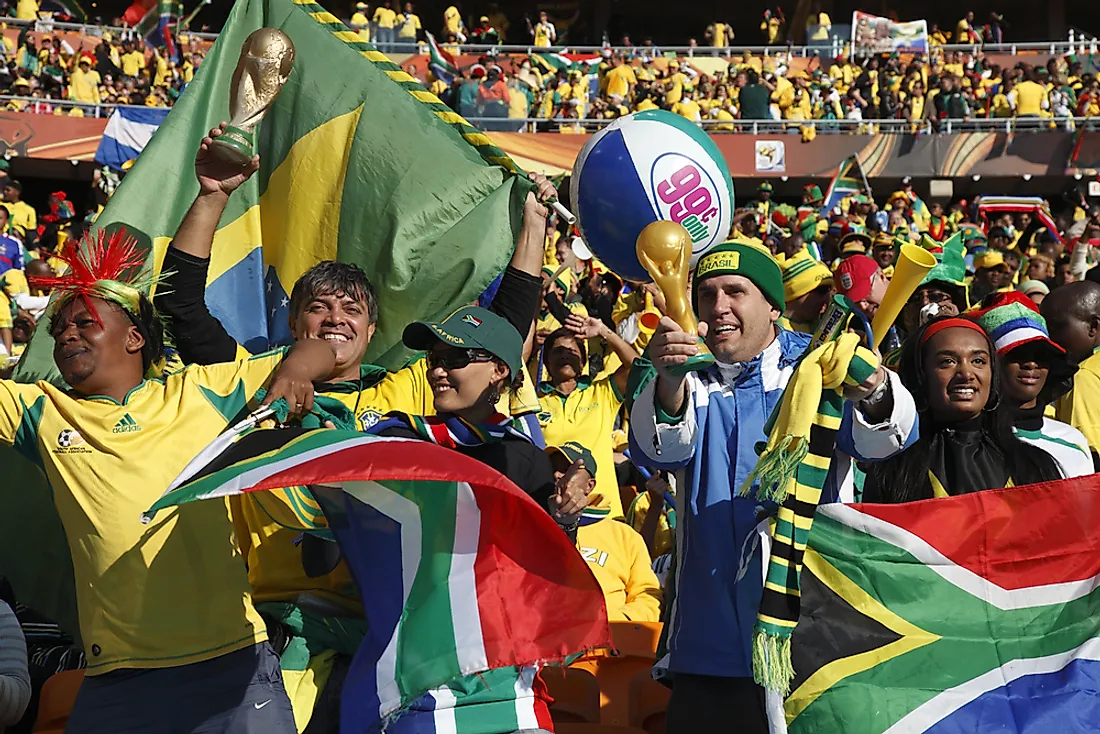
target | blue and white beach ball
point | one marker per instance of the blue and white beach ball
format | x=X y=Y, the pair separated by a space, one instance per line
x=644 y=167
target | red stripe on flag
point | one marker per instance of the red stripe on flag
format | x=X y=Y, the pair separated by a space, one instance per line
x=1029 y=536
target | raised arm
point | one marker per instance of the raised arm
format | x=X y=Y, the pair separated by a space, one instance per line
x=199 y=337
x=589 y=327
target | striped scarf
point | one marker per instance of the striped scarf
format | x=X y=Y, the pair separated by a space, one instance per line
x=452 y=432
x=792 y=471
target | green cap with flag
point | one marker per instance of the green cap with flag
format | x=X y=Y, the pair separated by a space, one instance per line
x=575 y=452
x=470 y=327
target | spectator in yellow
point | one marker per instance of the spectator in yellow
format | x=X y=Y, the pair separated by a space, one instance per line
x=964 y=30
x=687 y=107
x=385 y=18
x=1072 y=312
x=133 y=61
x=543 y=34
x=27 y=10
x=1029 y=97
x=360 y=23
x=719 y=35
x=936 y=37
x=408 y=25
x=577 y=408
x=84 y=82
x=771 y=26
x=807 y=286
x=615 y=552
x=799 y=107
x=621 y=79
x=20 y=212
x=674 y=84
x=818 y=25
x=453 y=25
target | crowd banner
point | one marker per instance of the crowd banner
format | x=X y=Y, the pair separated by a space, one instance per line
x=359 y=163
x=873 y=34
x=460 y=572
x=974 y=613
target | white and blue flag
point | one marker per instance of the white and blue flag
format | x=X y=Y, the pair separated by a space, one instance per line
x=127 y=133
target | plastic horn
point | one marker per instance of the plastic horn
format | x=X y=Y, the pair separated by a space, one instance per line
x=569 y=217
x=912 y=265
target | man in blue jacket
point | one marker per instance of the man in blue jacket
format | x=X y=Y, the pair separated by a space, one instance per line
x=705 y=426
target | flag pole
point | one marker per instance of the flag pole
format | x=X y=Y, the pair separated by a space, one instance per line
x=187 y=21
x=862 y=175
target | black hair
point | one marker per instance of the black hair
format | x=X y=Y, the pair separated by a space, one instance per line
x=329 y=278
x=904 y=477
x=151 y=328
x=563 y=333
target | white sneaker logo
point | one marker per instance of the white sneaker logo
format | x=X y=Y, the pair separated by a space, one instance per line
x=261 y=705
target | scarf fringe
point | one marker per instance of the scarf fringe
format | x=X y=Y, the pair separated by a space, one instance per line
x=776 y=469
x=771 y=661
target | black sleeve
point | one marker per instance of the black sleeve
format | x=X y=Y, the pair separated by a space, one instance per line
x=557 y=309
x=517 y=298
x=199 y=337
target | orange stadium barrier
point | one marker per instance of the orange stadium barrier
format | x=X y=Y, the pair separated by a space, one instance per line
x=56 y=701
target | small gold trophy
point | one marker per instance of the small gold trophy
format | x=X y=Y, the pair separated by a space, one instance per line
x=664 y=249
x=267 y=57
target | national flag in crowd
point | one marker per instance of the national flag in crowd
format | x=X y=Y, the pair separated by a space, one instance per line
x=989 y=207
x=157 y=28
x=64 y=8
x=975 y=613
x=441 y=63
x=553 y=63
x=358 y=163
x=128 y=131
x=463 y=572
x=847 y=181
x=136 y=12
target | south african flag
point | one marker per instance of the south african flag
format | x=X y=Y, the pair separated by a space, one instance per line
x=976 y=613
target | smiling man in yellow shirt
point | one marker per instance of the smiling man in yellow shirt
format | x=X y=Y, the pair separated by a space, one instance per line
x=133 y=61
x=167 y=602
x=385 y=18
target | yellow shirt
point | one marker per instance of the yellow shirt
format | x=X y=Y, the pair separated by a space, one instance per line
x=587 y=416
x=358 y=20
x=385 y=17
x=408 y=25
x=721 y=35
x=646 y=104
x=620 y=79
x=171 y=592
x=27 y=10
x=1080 y=407
x=618 y=558
x=133 y=63
x=688 y=109
x=21 y=214
x=84 y=86
x=542 y=35
x=665 y=537
x=452 y=21
x=1029 y=98
x=160 y=77
x=676 y=91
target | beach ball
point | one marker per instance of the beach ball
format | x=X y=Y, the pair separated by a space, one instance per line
x=644 y=167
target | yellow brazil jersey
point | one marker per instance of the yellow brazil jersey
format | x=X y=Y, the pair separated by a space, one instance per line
x=384 y=17
x=21 y=214
x=587 y=416
x=542 y=34
x=646 y=104
x=408 y=25
x=14 y=281
x=133 y=63
x=358 y=20
x=171 y=592
x=688 y=109
x=27 y=10
x=620 y=79
x=618 y=558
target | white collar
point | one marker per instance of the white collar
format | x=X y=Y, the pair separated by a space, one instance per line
x=730 y=371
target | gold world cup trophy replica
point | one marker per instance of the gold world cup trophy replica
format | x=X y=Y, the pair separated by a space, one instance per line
x=267 y=57
x=664 y=250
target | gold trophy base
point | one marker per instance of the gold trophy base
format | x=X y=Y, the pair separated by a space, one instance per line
x=234 y=145
x=696 y=363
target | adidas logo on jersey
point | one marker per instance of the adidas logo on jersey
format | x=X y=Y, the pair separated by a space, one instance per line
x=126 y=424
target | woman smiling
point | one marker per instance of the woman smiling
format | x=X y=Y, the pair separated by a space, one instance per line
x=967 y=442
x=1036 y=372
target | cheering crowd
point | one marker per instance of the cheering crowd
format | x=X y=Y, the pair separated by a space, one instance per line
x=987 y=379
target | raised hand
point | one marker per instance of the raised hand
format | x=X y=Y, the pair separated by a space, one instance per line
x=217 y=176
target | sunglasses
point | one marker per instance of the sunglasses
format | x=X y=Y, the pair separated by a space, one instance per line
x=456 y=359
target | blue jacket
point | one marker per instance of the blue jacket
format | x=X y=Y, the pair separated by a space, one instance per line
x=712 y=447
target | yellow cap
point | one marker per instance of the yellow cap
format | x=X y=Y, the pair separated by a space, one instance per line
x=989 y=259
x=802 y=275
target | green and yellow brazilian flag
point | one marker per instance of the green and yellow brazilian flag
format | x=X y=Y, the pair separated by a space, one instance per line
x=359 y=163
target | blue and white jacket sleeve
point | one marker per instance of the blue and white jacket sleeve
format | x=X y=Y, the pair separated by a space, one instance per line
x=664 y=441
x=874 y=442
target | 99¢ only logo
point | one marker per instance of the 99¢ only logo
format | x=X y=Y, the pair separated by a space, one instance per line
x=686 y=194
